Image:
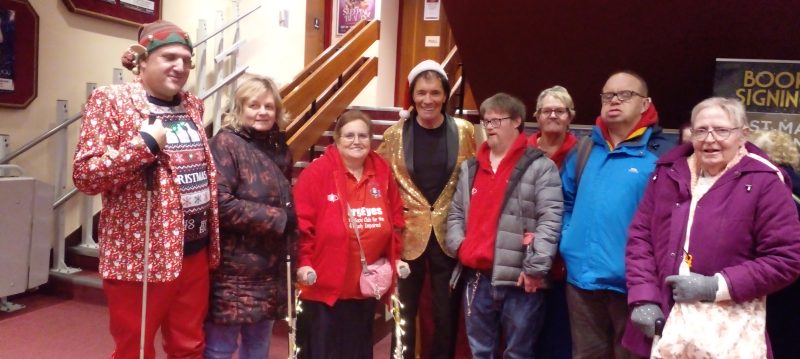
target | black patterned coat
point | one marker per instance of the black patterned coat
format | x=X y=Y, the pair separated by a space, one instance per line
x=250 y=283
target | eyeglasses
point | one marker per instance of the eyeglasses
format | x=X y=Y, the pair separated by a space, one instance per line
x=493 y=122
x=607 y=97
x=351 y=137
x=720 y=133
x=558 y=111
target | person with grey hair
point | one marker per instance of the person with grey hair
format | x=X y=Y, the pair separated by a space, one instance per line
x=555 y=110
x=504 y=226
x=717 y=223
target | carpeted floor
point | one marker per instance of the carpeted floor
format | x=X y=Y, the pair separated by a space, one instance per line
x=56 y=328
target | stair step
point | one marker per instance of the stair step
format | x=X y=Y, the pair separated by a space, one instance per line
x=81 y=257
x=85 y=285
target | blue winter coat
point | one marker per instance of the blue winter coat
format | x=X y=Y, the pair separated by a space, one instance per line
x=597 y=213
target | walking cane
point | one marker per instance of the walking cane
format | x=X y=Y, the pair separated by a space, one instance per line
x=149 y=184
x=292 y=297
x=657 y=337
x=290 y=319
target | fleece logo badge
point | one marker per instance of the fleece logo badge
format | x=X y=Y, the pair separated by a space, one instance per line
x=375 y=192
x=332 y=197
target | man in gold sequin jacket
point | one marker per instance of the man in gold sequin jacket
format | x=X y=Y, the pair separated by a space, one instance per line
x=425 y=150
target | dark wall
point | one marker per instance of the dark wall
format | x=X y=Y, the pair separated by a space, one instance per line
x=524 y=46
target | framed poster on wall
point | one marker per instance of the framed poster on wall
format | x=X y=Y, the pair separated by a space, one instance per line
x=131 y=12
x=349 y=12
x=19 y=53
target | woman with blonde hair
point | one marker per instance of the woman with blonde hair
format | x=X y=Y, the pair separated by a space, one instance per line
x=257 y=223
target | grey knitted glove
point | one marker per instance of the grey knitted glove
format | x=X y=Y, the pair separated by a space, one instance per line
x=693 y=287
x=644 y=317
x=403 y=270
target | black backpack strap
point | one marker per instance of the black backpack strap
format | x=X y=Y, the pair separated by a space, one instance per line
x=584 y=148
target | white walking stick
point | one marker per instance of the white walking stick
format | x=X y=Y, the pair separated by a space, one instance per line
x=150 y=185
x=290 y=318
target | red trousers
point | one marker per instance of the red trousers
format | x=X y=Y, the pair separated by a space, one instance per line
x=178 y=307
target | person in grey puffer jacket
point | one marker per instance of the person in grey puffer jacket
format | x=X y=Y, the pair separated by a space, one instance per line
x=504 y=226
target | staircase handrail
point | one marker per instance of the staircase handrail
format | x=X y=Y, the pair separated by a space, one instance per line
x=306 y=92
x=225 y=26
x=47 y=134
x=321 y=58
x=312 y=129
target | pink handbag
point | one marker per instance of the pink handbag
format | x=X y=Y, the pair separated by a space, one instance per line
x=376 y=278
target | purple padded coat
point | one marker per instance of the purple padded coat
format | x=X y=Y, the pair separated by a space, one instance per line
x=745 y=227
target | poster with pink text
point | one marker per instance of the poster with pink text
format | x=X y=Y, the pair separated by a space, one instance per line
x=349 y=12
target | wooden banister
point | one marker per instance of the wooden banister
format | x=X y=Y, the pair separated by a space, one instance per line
x=311 y=130
x=451 y=64
x=297 y=100
x=324 y=56
x=452 y=67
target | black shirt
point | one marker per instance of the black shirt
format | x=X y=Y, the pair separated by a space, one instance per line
x=430 y=160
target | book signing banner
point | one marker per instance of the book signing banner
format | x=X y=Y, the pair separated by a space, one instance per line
x=769 y=90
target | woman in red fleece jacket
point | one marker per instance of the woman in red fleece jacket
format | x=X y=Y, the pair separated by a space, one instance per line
x=336 y=318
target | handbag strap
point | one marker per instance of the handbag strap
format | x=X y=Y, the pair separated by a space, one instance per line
x=358 y=239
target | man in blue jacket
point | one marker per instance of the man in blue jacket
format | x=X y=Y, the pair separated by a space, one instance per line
x=603 y=180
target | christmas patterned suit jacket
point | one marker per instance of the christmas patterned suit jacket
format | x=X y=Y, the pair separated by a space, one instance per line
x=110 y=160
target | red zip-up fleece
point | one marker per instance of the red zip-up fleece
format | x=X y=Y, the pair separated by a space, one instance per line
x=322 y=221
x=561 y=154
x=488 y=191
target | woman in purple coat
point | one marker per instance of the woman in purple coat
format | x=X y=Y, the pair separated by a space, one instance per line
x=717 y=223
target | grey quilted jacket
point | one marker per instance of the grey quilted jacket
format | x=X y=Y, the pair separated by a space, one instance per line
x=532 y=203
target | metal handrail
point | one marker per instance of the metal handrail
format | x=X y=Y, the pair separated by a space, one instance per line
x=227 y=25
x=41 y=138
x=63 y=199
x=68 y=122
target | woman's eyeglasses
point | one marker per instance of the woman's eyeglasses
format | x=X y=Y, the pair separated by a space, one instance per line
x=720 y=133
x=558 y=111
x=351 y=137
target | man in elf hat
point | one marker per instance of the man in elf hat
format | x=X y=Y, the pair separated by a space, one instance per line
x=425 y=149
x=152 y=126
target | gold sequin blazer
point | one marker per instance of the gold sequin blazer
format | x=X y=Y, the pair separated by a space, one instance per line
x=420 y=216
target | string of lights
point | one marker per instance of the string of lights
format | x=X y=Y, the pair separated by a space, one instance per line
x=399 y=323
